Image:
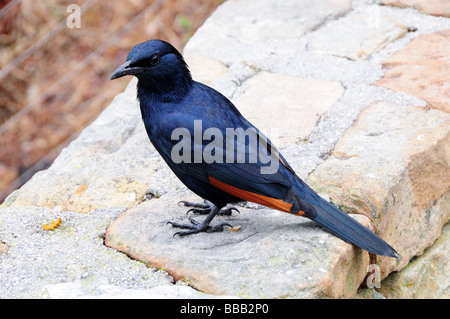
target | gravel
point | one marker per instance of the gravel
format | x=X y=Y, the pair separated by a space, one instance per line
x=72 y=252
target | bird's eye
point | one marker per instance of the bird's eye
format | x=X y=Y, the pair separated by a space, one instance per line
x=154 y=59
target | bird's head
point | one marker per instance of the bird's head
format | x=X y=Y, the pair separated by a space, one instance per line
x=159 y=67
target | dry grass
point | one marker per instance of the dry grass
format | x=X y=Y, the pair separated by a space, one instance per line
x=54 y=79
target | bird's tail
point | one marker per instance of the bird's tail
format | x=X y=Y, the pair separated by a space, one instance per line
x=348 y=229
x=302 y=200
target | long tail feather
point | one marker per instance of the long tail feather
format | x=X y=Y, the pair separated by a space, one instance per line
x=349 y=230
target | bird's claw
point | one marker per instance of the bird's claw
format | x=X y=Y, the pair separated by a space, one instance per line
x=197 y=227
x=205 y=209
x=228 y=211
x=197 y=211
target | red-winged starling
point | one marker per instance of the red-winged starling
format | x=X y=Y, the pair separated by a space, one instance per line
x=172 y=102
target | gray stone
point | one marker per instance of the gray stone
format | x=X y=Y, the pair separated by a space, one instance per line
x=99 y=288
x=268 y=254
x=246 y=22
x=343 y=39
x=69 y=254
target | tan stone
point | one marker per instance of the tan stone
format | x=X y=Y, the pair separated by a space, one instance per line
x=434 y=7
x=421 y=71
x=267 y=98
x=426 y=276
x=3 y=248
x=205 y=69
x=397 y=171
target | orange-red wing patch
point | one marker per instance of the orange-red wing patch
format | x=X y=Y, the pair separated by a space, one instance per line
x=252 y=197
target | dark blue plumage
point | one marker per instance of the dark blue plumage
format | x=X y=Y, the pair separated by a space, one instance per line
x=170 y=100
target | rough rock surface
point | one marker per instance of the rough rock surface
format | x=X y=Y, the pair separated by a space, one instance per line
x=420 y=72
x=305 y=100
x=266 y=20
x=371 y=148
x=375 y=32
x=292 y=257
x=390 y=165
x=425 y=276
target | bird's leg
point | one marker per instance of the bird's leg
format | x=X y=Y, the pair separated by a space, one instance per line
x=204 y=226
x=204 y=209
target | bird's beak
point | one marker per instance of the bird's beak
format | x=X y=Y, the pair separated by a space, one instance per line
x=125 y=69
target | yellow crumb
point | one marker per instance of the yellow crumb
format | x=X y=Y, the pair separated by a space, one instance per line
x=53 y=225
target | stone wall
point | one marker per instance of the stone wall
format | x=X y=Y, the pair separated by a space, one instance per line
x=355 y=95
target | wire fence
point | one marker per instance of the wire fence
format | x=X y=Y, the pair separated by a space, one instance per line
x=77 y=68
x=15 y=121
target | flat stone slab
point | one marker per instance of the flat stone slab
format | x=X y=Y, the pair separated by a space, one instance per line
x=263 y=21
x=421 y=72
x=272 y=255
x=374 y=32
x=205 y=69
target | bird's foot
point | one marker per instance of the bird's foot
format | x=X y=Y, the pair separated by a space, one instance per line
x=205 y=209
x=197 y=227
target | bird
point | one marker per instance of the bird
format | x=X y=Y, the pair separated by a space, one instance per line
x=182 y=116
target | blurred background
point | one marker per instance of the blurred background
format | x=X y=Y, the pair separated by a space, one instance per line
x=54 y=76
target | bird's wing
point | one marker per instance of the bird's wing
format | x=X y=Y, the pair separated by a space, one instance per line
x=261 y=177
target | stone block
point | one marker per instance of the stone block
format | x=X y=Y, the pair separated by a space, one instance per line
x=421 y=72
x=393 y=164
x=286 y=108
x=272 y=255
x=341 y=38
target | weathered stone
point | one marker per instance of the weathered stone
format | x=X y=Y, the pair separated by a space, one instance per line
x=421 y=72
x=246 y=22
x=434 y=7
x=286 y=108
x=204 y=69
x=90 y=173
x=373 y=33
x=391 y=165
x=272 y=255
x=426 y=276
